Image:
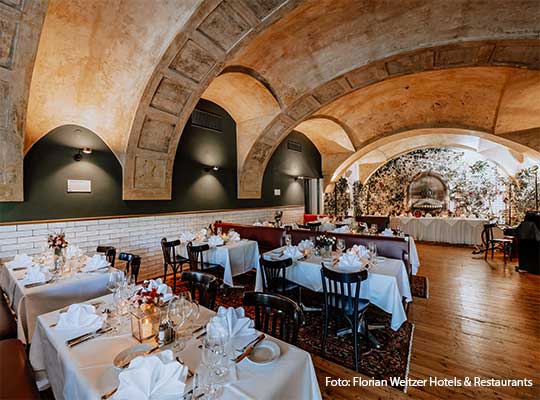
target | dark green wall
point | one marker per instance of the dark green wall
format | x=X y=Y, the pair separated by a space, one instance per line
x=49 y=164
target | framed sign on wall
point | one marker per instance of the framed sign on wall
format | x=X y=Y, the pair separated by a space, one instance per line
x=79 y=186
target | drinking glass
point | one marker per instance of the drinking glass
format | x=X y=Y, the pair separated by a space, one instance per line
x=176 y=314
x=219 y=230
x=194 y=315
x=372 y=249
x=374 y=229
x=340 y=246
x=114 y=281
x=288 y=240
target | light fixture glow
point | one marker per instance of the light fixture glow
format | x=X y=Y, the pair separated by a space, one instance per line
x=215 y=168
x=87 y=150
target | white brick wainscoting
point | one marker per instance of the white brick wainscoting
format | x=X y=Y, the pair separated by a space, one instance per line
x=139 y=235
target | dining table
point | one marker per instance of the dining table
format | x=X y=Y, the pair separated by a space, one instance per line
x=87 y=372
x=30 y=302
x=236 y=257
x=386 y=286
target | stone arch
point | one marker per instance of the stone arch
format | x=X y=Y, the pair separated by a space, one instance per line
x=393 y=68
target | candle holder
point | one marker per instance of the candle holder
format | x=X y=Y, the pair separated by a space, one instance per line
x=145 y=322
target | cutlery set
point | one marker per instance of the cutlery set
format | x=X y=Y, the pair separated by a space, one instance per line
x=248 y=349
x=88 y=336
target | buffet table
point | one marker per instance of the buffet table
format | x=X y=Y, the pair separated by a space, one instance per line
x=444 y=230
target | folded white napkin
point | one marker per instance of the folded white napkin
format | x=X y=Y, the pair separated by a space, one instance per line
x=387 y=232
x=80 y=317
x=20 y=260
x=305 y=244
x=258 y=224
x=233 y=236
x=96 y=262
x=152 y=377
x=36 y=274
x=237 y=322
x=74 y=251
x=348 y=221
x=349 y=261
x=360 y=251
x=292 y=252
x=162 y=288
x=187 y=236
x=215 y=240
x=342 y=229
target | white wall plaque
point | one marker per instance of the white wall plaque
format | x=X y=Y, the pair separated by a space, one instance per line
x=277 y=192
x=79 y=186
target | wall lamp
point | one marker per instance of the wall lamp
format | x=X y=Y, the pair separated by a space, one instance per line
x=299 y=178
x=208 y=168
x=78 y=156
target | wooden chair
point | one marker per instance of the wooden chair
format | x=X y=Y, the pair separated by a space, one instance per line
x=276 y=315
x=170 y=258
x=274 y=276
x=133 y=264
x=489 y=241
x=110 y=253
x=342 y=298
x=202 y=286
x=314 y=225
x=196 y=258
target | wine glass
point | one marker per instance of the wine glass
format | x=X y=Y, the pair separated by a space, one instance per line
x=340 y=246
x=176 y=314
x=374 y=229
x=216 y=344
x=194 y=315
x=288 y=240
x=114 y=281
x=372 y=249
x=219 y=230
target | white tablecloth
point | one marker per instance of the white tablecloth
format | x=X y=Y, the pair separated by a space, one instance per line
x=236 y=258
x=414 y=260
x=28 y=303
x=386 y=285
x=86 y=372
x=444 y=230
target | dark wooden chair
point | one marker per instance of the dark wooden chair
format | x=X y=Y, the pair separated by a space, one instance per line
x=170 y=258
x=489 y=241
x=203 y=287
x=133 y=264
x=110 y=253
x=275 y=315
x=196 y=258
x=274 y=276
x=313 y=226
x=342 y=298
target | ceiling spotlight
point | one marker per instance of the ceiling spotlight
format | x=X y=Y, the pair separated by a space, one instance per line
x=87 y=150
x=215 y=168
x=78 y=156
x=298 y=178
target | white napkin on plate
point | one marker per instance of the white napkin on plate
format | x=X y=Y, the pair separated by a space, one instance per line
x=237 y=322
x=80 y=317
x=215 y=240
x=187 y=236
x=342 y=229
x=97 y=261
x=36 y=274
x=349 y=261
x=360 y=251
x=162 y=288
x=152 y=377
x=292 y=252
x=74 y=251
x=233 y=236
x=387 y=232
x=305 y=244
x=20 y=260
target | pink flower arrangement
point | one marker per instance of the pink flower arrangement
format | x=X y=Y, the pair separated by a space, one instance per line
x=57 y=241
x=145 y=295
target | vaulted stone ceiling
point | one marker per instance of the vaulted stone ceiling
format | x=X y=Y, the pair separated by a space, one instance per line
x=133 y=74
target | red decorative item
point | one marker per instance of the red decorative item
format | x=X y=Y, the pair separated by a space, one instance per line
x=417 y=213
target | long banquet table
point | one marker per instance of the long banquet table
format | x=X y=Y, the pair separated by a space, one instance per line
x=387 y=284
x=445 y=230
x=86 y=372
x=28 y=303
x=236 y=258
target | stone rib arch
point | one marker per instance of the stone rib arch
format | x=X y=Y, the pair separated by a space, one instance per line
x=472 y=54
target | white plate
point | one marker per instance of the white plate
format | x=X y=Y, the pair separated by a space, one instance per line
x=130 y=353
x=264 y=353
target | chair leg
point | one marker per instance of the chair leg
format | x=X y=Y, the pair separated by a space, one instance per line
x=165 y=273
x=325 y=331
x=355 y=336
x=486 y=252
x=504 y=252
x=492 y=249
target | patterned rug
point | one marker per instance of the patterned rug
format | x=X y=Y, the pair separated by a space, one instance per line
x=420 y=287
x=392 y=360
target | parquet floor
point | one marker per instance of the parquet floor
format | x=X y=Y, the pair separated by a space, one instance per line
x=481 y=319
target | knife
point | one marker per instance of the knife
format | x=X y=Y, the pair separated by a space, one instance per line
x=250 y=349
x=88 y=336
x=32 y=285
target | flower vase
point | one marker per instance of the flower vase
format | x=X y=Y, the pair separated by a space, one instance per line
x=59 y=260
x=326 y=253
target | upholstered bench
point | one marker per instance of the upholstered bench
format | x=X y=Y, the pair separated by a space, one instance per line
x=16 y=379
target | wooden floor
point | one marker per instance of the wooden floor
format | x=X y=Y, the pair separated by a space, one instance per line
x=481 y=319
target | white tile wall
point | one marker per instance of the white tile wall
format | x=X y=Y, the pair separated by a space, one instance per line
x=139 y=235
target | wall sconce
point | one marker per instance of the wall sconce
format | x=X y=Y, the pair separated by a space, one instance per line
x=208 y=168
x=78 y=156
x=299 y=178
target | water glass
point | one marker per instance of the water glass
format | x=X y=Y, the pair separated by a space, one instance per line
x=288 y=240
x=340 y=246
x=372 y=249
x=374 y=229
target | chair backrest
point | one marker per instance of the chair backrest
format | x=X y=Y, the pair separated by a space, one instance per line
x=342 y=289
x=110 y=253
x=169 y=251
x=272 y=271
x=314 y=225
x=133 y=263
x=487 y=233
x=268 y=238
x=381 y=222
x=203 y=287
x=196 y=255
x=276 y=315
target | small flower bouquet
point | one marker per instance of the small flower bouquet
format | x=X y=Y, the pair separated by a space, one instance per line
x=57 y=241
x=324 y=240
x=146 y=296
